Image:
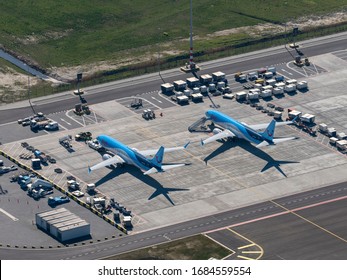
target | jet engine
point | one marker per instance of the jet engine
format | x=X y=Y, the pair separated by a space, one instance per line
x=216 y=131
x=106 y=156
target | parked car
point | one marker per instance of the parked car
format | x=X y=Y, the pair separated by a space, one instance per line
x=56 y=200
x=94 y=144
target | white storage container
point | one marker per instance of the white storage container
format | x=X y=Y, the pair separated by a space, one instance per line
x=278 y=90
x=290 y=88
x=266 y=93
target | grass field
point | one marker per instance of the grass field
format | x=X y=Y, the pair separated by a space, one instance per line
x=196 y=247
x=68 y=33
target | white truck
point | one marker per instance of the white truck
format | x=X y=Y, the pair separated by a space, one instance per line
x=341 y=145
x=52 y=126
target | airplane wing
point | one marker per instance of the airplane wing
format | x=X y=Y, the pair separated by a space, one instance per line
x=107 y=162
x=223 y=134
x=163 y=168
x=265 y=125
x=166 y=150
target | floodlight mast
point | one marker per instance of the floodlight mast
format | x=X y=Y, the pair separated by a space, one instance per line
x=191 y=63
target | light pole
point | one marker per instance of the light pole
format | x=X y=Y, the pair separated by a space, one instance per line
x=31 y=105
x=164 y=34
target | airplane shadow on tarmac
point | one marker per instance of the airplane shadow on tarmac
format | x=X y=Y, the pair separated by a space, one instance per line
x=271 y=162
x=147 y=179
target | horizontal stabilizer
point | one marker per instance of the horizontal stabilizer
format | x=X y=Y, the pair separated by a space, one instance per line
x=280 y=140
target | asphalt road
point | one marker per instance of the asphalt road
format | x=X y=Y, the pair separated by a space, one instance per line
x=303 y=203
x=151 y=82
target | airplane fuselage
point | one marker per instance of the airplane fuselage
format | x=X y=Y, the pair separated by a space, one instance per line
x=239 y=129
x=130 y=156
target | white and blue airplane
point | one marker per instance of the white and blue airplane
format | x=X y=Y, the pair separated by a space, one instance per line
x=233 y=128
x=123 y=154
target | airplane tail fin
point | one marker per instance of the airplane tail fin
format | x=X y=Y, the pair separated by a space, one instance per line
x=157 y=160
x=268 y=134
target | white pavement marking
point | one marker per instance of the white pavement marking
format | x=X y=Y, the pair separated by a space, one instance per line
x=168 y=99
x=295 y=70
x=8 y=214
x=65 y=121
x=156 y=99
x=8 y=123
x=66 y=114
x=287 y=72
x=96 y=120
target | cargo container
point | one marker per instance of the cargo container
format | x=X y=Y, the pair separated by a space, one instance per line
x=308 y=118
x=268 y=75
x=280 y=84
x=266 y=93
x=220 y=85
x=218 y=76
x=186 y=92
x=196 y=90
x=332 y=140
x=167 y=88
x=271 y=82
x=341 y=145
x=290 y=88
x=323 y=128
x=331 y=131
x=205 y=79
x=203 y=90
x=180 y=85
x=301 y=85
x=211 y=87
x=278 y=91
x=197 y=97
x=253 y=96
x=252 y=76
x=258 y=86
x=341 y=136
x=192 y=82
x=240 y=96
x=277 y=115
x=182 y=99
x=291 y=81
x=293 y=114
x=268 y=87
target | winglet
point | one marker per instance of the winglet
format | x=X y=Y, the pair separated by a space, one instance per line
x=202 y=142
x=89 y=170
x=186 y=145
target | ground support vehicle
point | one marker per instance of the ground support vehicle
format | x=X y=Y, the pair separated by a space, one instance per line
x=57 y=200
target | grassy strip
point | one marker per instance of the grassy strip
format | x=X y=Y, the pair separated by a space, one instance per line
x=69 y=33
x=200 y=56
x=196 y=247
x=240 y=46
